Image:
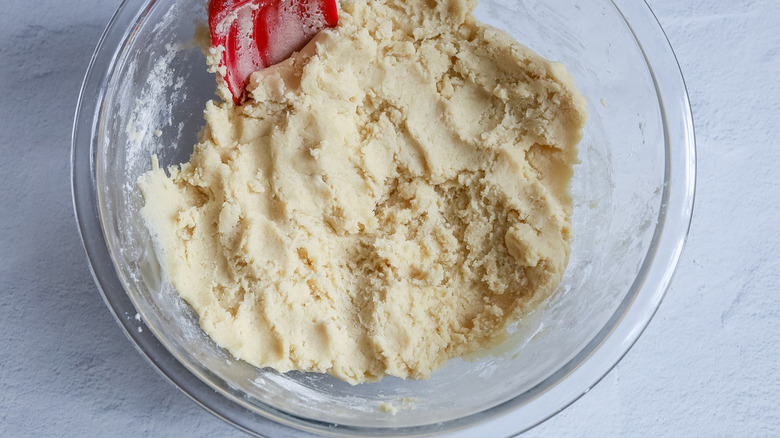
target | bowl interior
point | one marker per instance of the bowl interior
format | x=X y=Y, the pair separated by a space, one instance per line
x=154 y=98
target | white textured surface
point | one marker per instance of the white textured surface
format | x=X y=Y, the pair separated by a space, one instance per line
x=707 y=365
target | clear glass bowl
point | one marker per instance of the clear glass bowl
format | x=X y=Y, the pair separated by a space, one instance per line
x=144 y=93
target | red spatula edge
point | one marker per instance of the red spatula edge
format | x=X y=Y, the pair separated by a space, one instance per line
x=248 y=30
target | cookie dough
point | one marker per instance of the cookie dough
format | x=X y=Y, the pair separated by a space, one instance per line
x=393 y=196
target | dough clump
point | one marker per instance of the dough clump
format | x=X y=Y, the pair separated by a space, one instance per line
x=392 y=196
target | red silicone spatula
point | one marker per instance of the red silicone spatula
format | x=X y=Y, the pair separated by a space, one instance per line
x=260 y=33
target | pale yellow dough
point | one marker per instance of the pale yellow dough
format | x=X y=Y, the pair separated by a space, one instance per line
x=392 y=197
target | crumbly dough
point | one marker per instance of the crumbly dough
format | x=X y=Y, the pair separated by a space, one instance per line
x=392 y=196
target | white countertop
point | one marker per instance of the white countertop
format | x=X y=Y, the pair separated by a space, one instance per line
x=707 y=365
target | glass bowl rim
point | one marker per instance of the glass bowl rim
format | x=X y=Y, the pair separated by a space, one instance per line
x=550 y=396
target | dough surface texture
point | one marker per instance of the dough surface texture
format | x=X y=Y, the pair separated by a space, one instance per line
x=391 y=197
